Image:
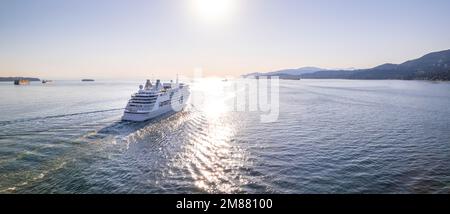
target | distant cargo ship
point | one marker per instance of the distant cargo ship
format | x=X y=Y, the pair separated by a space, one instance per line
x=87 y=80
x=21 y=82
x=46 y=81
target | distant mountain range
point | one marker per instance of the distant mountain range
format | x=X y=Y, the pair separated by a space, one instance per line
x=11 y=79
x=298 y=71
x=433 y=66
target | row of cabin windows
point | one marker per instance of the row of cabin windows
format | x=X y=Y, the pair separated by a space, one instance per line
x=138 y=105
x=144 y=98
x=142 y=102
x=164 y=103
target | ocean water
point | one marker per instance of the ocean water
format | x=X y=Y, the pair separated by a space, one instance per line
x=332 y=136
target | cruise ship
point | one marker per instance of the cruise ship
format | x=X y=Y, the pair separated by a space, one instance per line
x=153 y=100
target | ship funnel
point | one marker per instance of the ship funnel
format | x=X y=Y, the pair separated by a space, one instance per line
x=148 y=85
x=158 y=83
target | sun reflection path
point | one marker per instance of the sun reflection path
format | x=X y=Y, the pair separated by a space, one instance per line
x=213 y=97
x=212 y=156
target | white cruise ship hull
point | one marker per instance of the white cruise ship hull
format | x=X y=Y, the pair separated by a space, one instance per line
x=140 y=117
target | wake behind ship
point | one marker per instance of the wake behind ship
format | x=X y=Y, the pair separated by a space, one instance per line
x=154 y=100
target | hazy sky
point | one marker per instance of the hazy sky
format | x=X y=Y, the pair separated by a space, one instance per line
x=66 y=39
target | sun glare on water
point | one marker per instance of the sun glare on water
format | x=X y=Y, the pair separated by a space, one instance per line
x=214 y=10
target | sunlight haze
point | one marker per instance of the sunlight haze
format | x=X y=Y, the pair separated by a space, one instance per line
x=133 y=39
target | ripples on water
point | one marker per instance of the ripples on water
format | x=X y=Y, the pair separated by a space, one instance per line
x=333 y=136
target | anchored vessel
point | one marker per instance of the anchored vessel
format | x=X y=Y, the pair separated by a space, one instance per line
x=154 y=100
x=21 y=82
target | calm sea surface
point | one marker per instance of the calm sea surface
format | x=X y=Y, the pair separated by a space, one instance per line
x=332 y=136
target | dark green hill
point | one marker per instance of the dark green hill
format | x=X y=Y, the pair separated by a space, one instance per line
x=433 y=66
x=12 y=79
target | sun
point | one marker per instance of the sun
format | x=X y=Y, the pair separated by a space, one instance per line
x=214 y=10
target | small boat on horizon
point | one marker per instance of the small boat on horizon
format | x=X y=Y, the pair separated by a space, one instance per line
x=21 y=82
x=87 y=80
x=46 y=81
